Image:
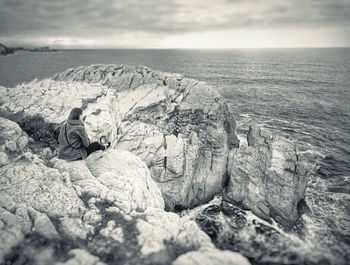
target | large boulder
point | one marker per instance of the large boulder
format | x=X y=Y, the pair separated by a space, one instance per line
x=115 y=176
x=180 y=127
x=267 y=176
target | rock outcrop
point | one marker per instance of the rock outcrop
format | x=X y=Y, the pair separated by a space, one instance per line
x=41 y=106
x=173 y=147
x=5 y=50
x=115 y=176
x=42 y=49
x=102 y=210
x=180 y=127
x=267 y=176
x=234 y=229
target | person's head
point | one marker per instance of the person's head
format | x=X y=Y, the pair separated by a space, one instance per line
x=76 y=114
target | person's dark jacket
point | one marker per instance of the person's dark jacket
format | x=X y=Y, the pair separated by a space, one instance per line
x=73 y=141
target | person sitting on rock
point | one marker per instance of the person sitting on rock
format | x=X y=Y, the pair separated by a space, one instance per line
x=74 y=143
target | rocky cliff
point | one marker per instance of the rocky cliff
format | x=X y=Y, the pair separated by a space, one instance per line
x=173 y=147
x=267 y=176
x=105 y=209
x=180 y=127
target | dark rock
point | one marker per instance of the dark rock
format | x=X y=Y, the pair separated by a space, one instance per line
x=231 y=229
x=5 y=50
x=209 y=225
x=43 y=49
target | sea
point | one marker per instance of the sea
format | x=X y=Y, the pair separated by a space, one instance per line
x=302 y=94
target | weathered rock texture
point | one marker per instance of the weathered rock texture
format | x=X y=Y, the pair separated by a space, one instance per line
x=12 y=140
x=173 y=146
x=267 y=176
x=104 y=210
x=115 y=176
x=231 y=228
x=180 y=127
x=41 y=106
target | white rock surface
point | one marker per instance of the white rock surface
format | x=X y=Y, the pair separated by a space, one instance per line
x=111 y=204
x=42 y=224
x=13 y=228
x=158 y=228
x=267 y=176
x=4 y=159
x=180 y=127
x=39 y=187
x=32 y=100
x=108 y=204
x=121 y=178
x=12 y=139
x=211 y=257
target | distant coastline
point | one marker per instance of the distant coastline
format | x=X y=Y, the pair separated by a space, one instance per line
x=4 y=50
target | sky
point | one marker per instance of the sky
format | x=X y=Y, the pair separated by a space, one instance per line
x=175 y=23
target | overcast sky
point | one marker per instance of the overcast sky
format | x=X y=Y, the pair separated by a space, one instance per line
x=175 y=23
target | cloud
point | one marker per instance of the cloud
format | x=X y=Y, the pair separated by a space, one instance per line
x=258 y=14
x=259 y=38
x=72 y=21
x=81 y=16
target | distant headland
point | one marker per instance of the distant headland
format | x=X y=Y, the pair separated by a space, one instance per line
x=4 y=50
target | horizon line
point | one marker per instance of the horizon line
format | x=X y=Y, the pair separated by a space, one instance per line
x=191 y=48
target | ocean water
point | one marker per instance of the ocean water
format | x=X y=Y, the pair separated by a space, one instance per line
x=303 y=94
